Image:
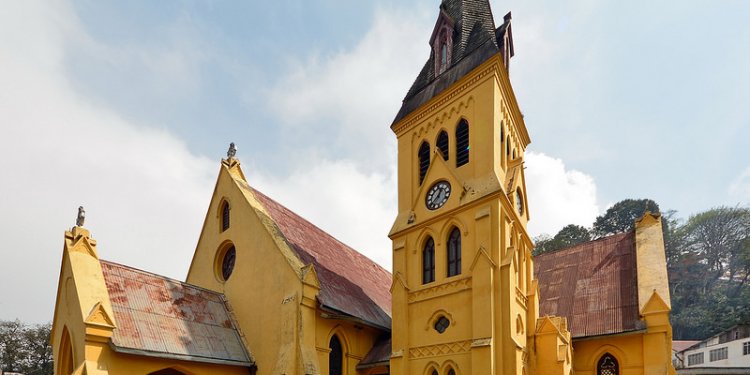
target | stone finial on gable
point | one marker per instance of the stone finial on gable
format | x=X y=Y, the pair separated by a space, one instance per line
x=81 y=216
x=231 y=161
x=232 y=151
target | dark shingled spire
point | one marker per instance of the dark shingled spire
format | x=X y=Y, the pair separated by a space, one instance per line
x=475 y=39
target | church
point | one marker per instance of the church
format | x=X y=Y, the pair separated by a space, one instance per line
x=270 y=293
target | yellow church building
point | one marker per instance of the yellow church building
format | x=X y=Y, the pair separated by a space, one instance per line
x=270 y=293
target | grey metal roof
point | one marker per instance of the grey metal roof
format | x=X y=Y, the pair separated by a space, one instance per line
x=160 y=317
x=475 y=39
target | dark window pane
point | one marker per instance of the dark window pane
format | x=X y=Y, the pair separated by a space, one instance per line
x=607 y=366
x=442 y=324
x=225 y=216
x=462 y=143
x=424 y=160
x=442 y=144
x=227 y=264
x=335 y=357
x=454 y=253
x=428 y=262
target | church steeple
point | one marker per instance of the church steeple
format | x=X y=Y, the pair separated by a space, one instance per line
x=461 y=253
x=464 y=36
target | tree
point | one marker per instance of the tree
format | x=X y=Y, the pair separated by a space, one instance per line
x=25 y=349
x=568 y=236
x=622 y=216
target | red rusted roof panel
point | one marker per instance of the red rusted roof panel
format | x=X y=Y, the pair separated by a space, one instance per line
x=350 y=282
x=380 y=353
x=168 y=318
x=594 y=285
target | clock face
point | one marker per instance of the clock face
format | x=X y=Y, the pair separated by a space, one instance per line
x=438 y=195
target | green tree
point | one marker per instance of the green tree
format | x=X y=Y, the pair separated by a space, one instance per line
x=25 y=349
x=568 y=236
x=622 y=216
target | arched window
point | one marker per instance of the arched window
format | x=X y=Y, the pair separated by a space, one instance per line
x=424 y=160
x=454 y=253
x=462 y=143
x=442 y=144
x=507 y=146
x=434 y=372
x=428 y=262
x=444 y=56
x=451 y=372
x=608 y=365
x=65 y=355
x=335 y=357
x=225 y=216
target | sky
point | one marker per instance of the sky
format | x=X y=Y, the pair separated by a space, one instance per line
x=127 y=108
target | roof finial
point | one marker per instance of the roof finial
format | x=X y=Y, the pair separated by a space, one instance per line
x=232 y=151
x=81 y=216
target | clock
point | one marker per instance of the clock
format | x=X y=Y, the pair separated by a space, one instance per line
x=438 y=195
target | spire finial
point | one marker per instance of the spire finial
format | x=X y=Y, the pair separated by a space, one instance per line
x=232 y=151
x=81 y=216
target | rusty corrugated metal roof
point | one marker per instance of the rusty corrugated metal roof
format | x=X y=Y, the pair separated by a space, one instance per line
x=379 y=355
x=594 y=285
x=350 y=282
x=161 y=317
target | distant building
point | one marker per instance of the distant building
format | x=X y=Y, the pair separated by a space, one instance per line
x=727 y=353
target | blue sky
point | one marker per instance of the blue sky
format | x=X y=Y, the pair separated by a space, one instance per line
x=127 y=108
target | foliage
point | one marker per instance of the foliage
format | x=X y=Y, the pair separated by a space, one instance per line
x=622 y=216
x=25 y=348
x=709 y=267
x=570 y=235
x=708 y=262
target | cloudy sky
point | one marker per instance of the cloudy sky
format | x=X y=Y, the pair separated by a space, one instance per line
x=127 y=107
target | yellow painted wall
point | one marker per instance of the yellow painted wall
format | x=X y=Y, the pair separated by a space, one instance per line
x=272 y=293
x=487 y=303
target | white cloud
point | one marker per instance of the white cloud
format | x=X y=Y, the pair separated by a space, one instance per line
x=351 y=97
x=142 y=189
x=355 y=206
x=739 y=189
x=558 y=196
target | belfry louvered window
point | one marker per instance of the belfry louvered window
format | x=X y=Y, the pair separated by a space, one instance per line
x=335 y=357
x=442 y=144
x=424 y=160
x=454 y=253
x=462 y=143
x=224 y=216
x=428 y=262
x=607 y=365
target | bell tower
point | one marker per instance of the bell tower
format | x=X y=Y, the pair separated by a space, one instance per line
x=463 y=294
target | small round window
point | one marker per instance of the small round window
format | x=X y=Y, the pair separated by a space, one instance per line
x=442 y=324
x=227 y=263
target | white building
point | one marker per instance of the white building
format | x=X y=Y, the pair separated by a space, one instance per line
x=727 y=353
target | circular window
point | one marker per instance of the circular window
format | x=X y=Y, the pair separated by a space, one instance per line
x=227 y=263
x=442 y=324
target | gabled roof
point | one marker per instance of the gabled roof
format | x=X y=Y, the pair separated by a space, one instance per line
x=475 y=40
x=160 y=317
x=594 y=285
x=350 y=283
x=379 y=355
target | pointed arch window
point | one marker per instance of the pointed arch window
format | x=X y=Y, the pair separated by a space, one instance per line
x=428 y=262
x=442 y=144
x=462 y=143
x=451 y=372
x=224 y=216
x=65 y=354
x=424 y=160
x=607 y=365
x=434 y=372
x=454 y=253
x=335 y=357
